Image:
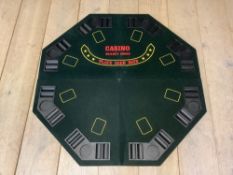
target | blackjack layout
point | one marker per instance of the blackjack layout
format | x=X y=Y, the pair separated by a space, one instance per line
x=119 y=89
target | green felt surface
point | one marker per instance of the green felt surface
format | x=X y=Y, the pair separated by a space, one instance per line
x=114 y=101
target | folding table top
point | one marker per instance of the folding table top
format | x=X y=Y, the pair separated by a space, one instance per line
x=119 y=90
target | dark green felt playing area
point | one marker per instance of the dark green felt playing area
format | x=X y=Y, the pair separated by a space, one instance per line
x=119 y=90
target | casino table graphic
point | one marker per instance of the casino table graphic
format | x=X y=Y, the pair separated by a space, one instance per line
x=119 y=90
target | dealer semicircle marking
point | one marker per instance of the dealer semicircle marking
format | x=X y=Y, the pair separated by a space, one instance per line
x=144 y=57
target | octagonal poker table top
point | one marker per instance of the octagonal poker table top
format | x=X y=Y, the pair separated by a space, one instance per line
x=119 y=90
